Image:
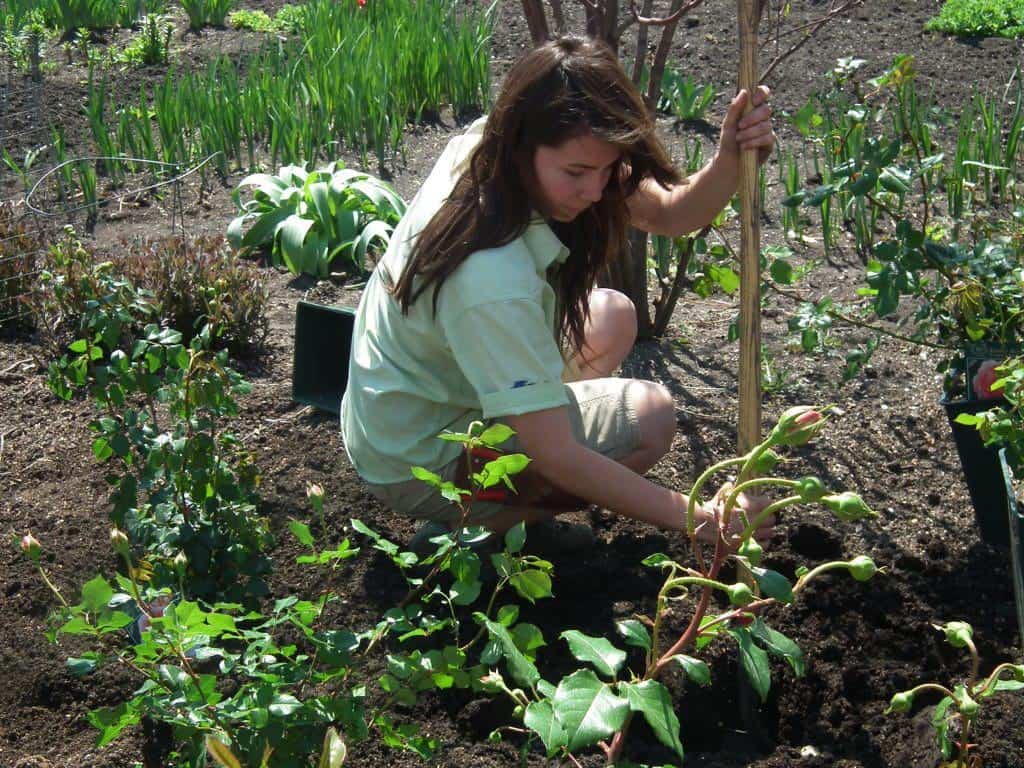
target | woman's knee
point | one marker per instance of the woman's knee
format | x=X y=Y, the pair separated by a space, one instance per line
x=613 y=315
x=656 y=415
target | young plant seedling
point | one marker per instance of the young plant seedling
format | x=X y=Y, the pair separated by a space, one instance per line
x=965 y=699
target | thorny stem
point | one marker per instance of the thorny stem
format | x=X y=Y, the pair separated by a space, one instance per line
x=993 y=678
x=932 y=687
x=53 y=589
x=815 y=572
x=884 y=331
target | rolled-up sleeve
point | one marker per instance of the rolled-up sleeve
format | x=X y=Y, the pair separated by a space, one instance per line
x=508 y=354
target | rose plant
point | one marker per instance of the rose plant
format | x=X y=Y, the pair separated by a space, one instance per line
x=962 y=704
x=594 y=705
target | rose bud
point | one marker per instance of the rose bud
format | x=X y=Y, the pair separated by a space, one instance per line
x=984 y=380
x=180 y=563
x=1018 y=673
x=31 y=547
x=901 y=702
x=848 y=506
x=315 y=494
x=958 y=633
x=798 y=425
x=751 y=550
x=810 y=489
x=862 y=568
x=739 y=594
x=119 y=542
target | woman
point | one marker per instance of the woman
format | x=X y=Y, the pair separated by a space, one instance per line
x=484 y=306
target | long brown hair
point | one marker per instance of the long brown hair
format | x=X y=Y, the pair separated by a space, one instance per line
x=563 y=89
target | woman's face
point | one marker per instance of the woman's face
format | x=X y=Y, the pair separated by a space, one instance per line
x=573 y=175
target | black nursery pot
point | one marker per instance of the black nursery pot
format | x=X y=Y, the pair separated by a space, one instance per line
x=983 y=472
x=323 y=344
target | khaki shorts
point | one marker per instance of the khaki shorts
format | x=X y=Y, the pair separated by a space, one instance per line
x=602 y=416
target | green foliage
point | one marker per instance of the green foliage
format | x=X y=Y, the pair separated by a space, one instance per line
x=883 y=173
x=980 y=18
x=152 y=44
x=180 y=482
x=683 y=98
x=206 y=13
x=1002 y=426
x=72 y=15
x=307 y=220
x=353 y=75
x=200 y=282
x=289 y=18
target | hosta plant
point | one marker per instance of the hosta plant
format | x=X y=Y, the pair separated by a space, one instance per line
x=308 y=221
x=962 y=704
x=594 y=705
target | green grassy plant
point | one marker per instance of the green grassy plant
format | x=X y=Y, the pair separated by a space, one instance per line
x=980 y=18
x=357 y=75
x=206 y=13
x=151 y=46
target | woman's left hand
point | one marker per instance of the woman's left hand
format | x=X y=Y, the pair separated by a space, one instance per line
x=752 y=131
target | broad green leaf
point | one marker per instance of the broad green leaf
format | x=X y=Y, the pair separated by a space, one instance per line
x=495 y=435
x=508 y=614
x=96 y=593
x=588 y=709
x=653 y=699
x=940 y=722
x=111 y=721
x=780 y=645
x=634 y=633
x=515 y=538
x=605 y=657
x=754 y=661
x=527 y=638
x=80 y=667
x=465 y=592
x=301 y=532
x=781 y=271
x=284 y=704
x=520 y=667
x=540 y=718
x=695 y=669
x=531 y=584
x=426 y=476
x=773 y=584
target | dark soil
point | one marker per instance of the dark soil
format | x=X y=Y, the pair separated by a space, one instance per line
x=890 y=441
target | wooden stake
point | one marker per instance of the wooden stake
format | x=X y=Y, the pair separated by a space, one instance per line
x=749 y=13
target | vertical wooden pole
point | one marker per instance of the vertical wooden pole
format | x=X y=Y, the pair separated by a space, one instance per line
x=750 y=245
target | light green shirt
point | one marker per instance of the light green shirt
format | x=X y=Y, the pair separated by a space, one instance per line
x=490 y=350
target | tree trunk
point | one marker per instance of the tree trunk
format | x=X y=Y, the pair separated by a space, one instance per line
x=536 y=20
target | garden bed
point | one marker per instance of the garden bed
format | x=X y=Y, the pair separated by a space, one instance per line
x=889 y=441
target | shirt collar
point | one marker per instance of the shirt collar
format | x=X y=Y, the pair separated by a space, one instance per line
x=543 y=244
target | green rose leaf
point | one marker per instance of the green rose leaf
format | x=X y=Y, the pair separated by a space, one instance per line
x=301 y=532
x=773 y=584
x=515 y=538
x=695 y=669
x=465 y=592
x=634 y=633
x=531 y=584
x=83 y=666
x=96 y=593
x=495 y=435
x=588 y=709
x=520 y=667
x=606 y=658
x=112 y=720
x=754 y=661
x=778 y=644
x=540 y=718
x=653 y=699
x=284 y=705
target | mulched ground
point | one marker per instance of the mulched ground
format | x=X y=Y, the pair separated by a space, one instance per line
x=891 y=442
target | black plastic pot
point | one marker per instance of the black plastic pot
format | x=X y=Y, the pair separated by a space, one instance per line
x=1016 y=528
x=323 y=344
x=983 y=472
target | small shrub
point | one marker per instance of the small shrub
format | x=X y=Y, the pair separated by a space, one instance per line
x=289 y=18
x=200 y=280
x=980 y=18
x=18 y=250
x=151 y=46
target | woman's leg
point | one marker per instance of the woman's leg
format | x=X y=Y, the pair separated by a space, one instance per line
x=610 y=335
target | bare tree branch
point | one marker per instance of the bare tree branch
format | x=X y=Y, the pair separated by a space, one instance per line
x=662 y=22
x=641 y=45
x=811 y=29
x=536 y=20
